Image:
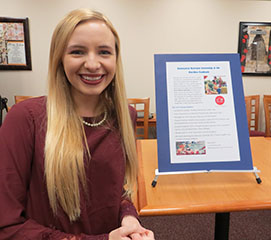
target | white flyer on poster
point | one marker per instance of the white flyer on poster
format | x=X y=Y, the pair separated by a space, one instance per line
x=201 y=113
x=16 y=53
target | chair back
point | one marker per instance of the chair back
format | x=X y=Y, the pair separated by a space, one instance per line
x=267 y=114
x=252 y=108
x=21 y=98
x=142 y=106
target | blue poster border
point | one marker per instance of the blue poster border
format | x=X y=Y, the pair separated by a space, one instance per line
x=163 y=141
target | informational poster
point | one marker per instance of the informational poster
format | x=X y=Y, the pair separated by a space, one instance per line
x=201 y=116
x=14 y=44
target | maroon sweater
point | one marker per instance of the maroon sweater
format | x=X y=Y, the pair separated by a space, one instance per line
x=25 y=212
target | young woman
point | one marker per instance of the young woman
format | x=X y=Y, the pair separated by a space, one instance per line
x=68 y=160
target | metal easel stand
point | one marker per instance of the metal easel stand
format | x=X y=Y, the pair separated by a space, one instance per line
x=157 y=173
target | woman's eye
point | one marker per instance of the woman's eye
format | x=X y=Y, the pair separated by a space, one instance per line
x=105 y=52
x=76 y=52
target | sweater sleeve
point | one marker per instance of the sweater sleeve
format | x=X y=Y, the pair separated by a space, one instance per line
x=16 y=153
x=126 y=206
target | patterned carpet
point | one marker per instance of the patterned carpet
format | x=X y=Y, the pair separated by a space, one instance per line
x=250 y=225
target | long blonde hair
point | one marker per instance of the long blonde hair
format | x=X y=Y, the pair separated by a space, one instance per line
x=65 y=143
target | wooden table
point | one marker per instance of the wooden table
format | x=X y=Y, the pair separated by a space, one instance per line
x=219 y=193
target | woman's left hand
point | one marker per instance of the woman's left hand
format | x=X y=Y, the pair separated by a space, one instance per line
x=141 y=233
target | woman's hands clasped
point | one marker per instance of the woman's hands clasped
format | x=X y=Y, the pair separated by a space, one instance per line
x=131 y=229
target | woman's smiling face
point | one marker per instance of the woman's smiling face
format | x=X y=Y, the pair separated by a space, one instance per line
x=89 y=59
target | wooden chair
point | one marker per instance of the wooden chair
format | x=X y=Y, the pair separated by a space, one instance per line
x=267 y=113
x=21 y=98
x=252 y=108
x=142 y=106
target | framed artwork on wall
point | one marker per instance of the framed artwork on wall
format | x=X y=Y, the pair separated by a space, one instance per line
x=255 y=48
x=14 y=44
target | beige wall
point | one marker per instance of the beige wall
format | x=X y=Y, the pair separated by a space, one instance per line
x=145 y=27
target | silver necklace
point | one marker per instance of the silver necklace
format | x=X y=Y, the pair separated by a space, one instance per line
x=96 y=124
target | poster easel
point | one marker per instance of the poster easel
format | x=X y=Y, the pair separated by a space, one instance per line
x=201 y=118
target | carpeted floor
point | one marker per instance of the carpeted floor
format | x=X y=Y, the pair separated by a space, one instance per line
x=250 y=225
